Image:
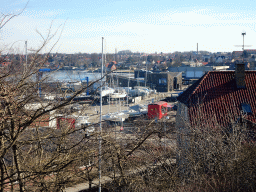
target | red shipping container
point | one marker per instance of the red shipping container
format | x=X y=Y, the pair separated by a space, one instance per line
x=157 y=110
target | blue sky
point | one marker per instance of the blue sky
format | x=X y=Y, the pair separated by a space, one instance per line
x=144 y=26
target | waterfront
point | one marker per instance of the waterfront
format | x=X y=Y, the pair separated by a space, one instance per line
x=70 y=76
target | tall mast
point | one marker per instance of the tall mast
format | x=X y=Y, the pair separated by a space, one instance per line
x=26 y=44
x=145 y=79
x=128 y=90
x=115 y=55
x=100 y=131
x=244 y=33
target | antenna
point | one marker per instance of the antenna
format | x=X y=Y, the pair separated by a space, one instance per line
x=243 y=33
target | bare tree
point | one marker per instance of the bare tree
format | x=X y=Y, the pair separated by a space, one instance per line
x=33 y=156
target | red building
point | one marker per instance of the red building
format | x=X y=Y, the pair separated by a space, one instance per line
x=42 y=121
x=157 y=110
x=63 y=122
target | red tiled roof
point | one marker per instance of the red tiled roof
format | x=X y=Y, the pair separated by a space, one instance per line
x=215 y=98
x=250 y=49
x=111 y=66
x=238 y=51
x=5 y=63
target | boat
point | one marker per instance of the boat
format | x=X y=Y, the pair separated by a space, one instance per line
x=118 y=95
x=82 y=98
x=82 y=121
x=132 y=113
x=142 y=109
x=117 y=117
x=71 y=86
x=107 y=91
x=143 y=91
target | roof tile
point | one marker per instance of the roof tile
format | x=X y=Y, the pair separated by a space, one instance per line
x=219 y=97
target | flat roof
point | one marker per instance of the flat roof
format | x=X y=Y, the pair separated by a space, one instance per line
x=159 y=103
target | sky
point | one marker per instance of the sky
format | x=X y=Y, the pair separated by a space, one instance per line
x=147 y=26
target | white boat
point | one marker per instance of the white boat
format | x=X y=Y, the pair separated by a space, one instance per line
x=82 y=121
x=133 y=92
x=50 y=97
x=142 y=109
x=106 y=91
x=132 y=112
x=77 y=85
x=143 y=90
x=118 y=117
x=118 y=95
x=74 y=86
x=107 y=117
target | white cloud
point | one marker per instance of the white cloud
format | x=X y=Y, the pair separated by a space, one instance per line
x=168 y=31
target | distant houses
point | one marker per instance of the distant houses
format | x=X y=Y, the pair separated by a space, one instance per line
x=111 y=66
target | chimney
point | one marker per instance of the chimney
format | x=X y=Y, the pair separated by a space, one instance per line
x=240 y=75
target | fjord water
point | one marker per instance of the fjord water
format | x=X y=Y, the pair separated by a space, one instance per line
x=70 y=76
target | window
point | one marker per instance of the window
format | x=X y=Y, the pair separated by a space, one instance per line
x=246 y=108
x=162 y=81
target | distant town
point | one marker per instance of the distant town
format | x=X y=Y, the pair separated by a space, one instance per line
x=156 y=61
x=149 y=108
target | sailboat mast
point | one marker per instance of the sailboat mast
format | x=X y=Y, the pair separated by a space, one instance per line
x=26 y=44
x=145 y=79
x=128 y=89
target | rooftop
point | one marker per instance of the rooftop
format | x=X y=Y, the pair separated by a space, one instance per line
x=218 y=96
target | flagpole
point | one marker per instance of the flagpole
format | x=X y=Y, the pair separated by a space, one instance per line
x=102 y=58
